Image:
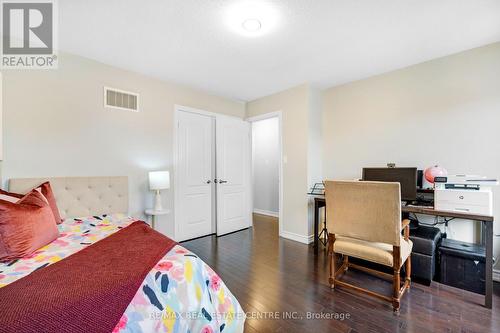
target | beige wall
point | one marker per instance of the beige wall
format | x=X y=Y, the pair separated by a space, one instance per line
x=297 y=105
x=55 y=125
x=315 y=136
x=444 y=111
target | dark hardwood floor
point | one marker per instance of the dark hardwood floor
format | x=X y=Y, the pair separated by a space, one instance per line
x=282 y=281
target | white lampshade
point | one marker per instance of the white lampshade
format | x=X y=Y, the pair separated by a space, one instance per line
x=159 y=180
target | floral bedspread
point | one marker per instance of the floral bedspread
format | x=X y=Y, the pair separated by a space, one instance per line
x=180 y=294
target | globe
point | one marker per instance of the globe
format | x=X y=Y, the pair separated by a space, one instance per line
x=434 y=171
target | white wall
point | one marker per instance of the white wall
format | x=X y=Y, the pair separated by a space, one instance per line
x=444 y=111
x=55 y=125
x=265 y=165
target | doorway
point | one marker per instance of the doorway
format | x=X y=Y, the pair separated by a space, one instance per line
x=212 y=174
x=267 y=167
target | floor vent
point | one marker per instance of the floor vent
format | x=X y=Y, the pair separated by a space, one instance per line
x=119 y=99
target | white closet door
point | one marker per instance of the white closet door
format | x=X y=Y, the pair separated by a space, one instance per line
x=195 y=165
x=233 y=175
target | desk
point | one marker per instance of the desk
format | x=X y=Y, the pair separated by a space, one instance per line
x=487 y=235
x=319 y=202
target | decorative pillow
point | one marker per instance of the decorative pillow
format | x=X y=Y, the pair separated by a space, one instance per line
x=25 y=226
x=47 y=192
x=44 y=189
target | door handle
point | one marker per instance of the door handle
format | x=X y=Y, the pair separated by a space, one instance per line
x=222 y=181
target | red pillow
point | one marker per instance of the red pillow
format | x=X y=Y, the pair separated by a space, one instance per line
x=46 y=190
x=25 y=226
x=49 y=195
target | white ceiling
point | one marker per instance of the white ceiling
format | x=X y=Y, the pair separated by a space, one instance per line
x=324 y=42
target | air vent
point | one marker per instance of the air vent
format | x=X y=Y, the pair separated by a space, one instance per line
x=122 y=100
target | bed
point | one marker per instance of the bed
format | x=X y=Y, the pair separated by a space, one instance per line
x=109 y=272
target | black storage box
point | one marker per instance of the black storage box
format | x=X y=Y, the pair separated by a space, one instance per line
x=424 y=255
x=462 y=265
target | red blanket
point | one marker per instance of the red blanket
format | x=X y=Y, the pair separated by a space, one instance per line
x=87 y=292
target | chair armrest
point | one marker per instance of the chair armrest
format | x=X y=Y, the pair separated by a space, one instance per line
x=405 y=225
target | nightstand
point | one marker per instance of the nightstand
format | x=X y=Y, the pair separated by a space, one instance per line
x=153 y=213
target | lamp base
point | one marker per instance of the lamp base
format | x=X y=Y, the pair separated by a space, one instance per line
x=158 y=207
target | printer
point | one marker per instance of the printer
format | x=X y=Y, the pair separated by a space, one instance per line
x=464 y=193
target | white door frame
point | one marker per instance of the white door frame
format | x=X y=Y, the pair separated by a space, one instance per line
x=279 y=115
x=181 y=108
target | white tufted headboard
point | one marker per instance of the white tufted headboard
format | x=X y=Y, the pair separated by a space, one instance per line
x=81 y=196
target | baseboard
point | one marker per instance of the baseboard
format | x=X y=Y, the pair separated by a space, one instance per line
x=296 y=237
x=496 y=275
x=266 y=212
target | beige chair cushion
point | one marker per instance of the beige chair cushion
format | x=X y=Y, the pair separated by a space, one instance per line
x=380 y=253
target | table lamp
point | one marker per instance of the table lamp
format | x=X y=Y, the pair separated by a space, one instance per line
x=159 y=180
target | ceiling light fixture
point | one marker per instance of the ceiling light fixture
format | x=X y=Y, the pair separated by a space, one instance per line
x=252 y=25
x=251 y=19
